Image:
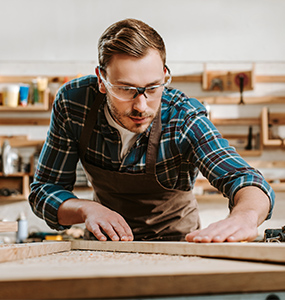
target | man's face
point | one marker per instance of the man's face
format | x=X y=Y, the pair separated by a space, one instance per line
x=124 y=70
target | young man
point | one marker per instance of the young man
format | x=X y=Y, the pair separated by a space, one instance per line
x=142 y=145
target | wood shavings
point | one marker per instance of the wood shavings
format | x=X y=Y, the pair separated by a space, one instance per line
x=107 y=258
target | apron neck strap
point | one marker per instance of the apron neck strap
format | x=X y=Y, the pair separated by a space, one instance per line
x=89 y=124
x=153 y=142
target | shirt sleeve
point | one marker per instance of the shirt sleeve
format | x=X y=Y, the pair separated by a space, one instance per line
x=56 y=171
x=225 y=169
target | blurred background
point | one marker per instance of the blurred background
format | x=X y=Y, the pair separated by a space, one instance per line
x=228 y=54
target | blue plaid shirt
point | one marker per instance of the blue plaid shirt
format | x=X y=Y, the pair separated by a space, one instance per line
x=189 y=143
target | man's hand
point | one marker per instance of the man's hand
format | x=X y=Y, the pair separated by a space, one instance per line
x=235 y=228
x=250 y=210
x=97 y=218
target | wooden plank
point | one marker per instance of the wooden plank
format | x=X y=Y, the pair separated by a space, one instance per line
x=187 y=78
x=28 y=108
x=21 y=251
x=20 y=141
x=130 y=286
x=100 y=275
x=26 y=186
x=258 y=78
x=175 y=78
x=8 y=226
x=246 y=100
x=237 y=121
x=25 y=121
x=15 y=198
x=269 y=252
x=270 y=78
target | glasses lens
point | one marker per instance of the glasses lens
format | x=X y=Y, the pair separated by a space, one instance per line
x=130 y=93
x=125 y=93
x=153 y=93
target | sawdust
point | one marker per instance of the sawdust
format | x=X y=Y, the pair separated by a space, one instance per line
x=88 y=256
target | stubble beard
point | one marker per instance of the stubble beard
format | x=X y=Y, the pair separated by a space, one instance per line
x=118 y=117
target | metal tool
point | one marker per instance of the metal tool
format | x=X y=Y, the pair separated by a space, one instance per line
x=241 y=80
x=217 y=83
x=274 y=235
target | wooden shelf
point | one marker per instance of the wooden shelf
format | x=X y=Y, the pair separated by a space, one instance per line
x=17 y=181
x=246 y=100
x=8 y=226
x=44 y=106
x=199 y=77
x=28 y=108
x=268 y=119
x=18 y=174
x=13 y=198
x=25 y=121
x=238 y=122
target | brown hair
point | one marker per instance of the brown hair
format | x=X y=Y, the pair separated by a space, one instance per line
x=131 y=37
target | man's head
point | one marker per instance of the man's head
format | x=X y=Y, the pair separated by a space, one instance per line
x=131 y=37
x=132 y=73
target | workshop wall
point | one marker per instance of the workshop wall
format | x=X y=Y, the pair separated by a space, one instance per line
x=59 y=38
x=209 y=30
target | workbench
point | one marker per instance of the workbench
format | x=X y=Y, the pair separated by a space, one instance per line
x=97 y=270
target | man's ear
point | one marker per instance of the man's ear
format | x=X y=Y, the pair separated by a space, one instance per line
x=101 y=85
x=165 y=70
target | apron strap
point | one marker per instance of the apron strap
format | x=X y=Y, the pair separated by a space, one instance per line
x=153 y=142
x=89 y=124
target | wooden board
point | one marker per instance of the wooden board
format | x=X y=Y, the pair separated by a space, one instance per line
x=93 y=274
x=8 y=226
x=80 y=274
x=22 y=251
x=269 y=252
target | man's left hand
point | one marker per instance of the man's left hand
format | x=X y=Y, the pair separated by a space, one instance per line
x=233 y=229
x=250 y=210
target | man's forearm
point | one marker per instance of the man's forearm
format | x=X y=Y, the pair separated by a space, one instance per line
x=253 y=201
x=70 y=211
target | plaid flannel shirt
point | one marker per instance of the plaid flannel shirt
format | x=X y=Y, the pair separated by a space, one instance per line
x=189 y=143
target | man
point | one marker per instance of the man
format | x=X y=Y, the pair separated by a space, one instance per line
x=142 y=145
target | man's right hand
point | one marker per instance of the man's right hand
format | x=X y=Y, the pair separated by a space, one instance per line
x=97 y=219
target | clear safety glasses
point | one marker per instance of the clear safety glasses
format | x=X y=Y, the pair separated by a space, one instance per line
x=129 y=93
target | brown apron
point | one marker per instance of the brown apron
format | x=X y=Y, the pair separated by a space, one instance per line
x=152 y=211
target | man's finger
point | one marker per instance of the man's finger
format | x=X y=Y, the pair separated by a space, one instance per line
x=121 y=231
x=109 y=230
x=127 y=230
x=98 y=233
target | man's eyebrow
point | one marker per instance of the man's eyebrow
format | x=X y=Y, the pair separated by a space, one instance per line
x=122 y=82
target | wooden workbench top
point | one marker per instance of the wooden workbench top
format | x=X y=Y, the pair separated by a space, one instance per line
x=94 y=273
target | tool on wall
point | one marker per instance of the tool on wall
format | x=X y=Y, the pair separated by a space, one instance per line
x=229 y=80
x=249 y=139
x=241 y=80
x=216 y=83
